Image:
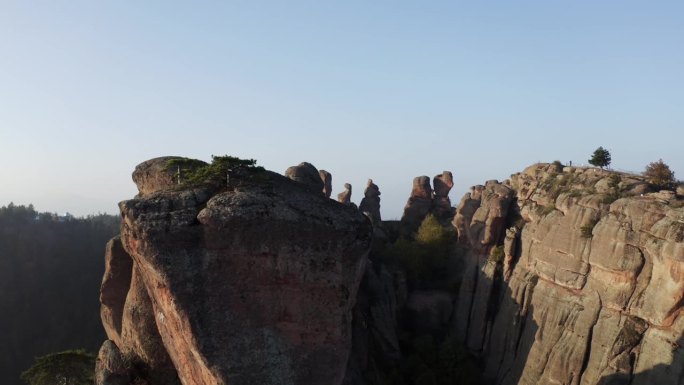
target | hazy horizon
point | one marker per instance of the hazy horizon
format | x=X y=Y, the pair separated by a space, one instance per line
x=387 y=91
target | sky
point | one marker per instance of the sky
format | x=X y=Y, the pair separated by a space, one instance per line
x=387 y=90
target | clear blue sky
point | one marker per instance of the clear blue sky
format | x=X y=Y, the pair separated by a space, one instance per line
x=386 y=90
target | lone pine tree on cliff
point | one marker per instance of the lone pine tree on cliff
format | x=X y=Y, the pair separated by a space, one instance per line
x=600 y=158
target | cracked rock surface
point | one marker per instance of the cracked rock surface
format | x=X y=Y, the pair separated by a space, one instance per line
x=250 y=283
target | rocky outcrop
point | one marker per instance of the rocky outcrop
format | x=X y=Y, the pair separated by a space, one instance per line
x=424 y=200
x=371 y=201
x=114 y=289
x=326 y=177
x=345 y=196
x=567 y=276
x=306 y=174
x=572 y=277
x=248 y=284
x=441 y=204
x=129 y=320
x=155 y=174
x=417 y=206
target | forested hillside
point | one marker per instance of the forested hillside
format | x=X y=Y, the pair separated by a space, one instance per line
x=50 y=272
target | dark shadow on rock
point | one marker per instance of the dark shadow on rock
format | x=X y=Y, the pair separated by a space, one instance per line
x=476 y=329
x=634 y=371
x=493 y=322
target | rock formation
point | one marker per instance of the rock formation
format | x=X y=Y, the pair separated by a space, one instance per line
x=423 y=201
x=326 y=177
x=306 y=174
x=567 y=276
x=155 y=174
x=589 y=288
x=560 y=275
x=345 y=196
x=417 y=206
x=441 y=204
x=371 y=201
x=251 y=284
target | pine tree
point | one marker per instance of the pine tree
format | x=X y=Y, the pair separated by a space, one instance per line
x=600 y=158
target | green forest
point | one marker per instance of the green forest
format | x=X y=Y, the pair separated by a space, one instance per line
x=50 y=272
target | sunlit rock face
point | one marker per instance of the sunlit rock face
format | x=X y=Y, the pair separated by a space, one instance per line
x=251 y=283
x=155 y=174
x=345 y=196
x=573 y=276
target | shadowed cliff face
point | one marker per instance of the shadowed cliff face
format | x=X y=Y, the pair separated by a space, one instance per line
x=592 y=264
x=250 y=283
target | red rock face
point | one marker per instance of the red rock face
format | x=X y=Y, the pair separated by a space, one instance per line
x=252 y=285
x=115 y=284
x=129 y=321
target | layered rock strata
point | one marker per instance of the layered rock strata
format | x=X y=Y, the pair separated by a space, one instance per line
x=572 y=277
x=248 y=284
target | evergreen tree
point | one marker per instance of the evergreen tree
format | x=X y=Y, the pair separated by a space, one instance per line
x=600 y=158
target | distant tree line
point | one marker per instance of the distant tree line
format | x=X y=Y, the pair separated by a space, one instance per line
x=50 y=272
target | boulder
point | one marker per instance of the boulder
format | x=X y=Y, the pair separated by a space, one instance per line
x=156 y=175
x=306 y=174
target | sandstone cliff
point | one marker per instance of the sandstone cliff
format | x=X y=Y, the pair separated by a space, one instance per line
x=246 y=281
x=563 y=275
x=572 y=276
x=558 y=275
x=424 y=200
